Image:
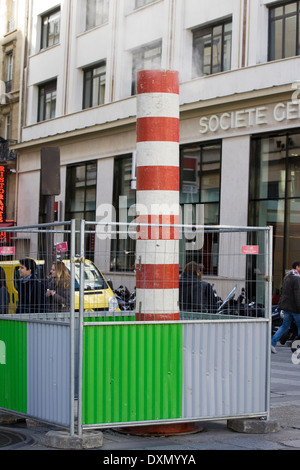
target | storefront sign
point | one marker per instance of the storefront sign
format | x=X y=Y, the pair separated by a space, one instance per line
x=250 y=117
x=7 y=250
x=2 y=193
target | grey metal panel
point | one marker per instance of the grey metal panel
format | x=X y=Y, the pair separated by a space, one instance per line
x=48 y=372
x=225 y=369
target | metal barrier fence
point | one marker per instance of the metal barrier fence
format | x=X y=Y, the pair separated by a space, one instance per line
x=103 y=360
x=37 y=343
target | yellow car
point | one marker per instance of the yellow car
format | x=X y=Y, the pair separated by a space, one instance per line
x=98 y=295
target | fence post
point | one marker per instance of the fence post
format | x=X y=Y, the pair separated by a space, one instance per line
x=268 y=296
x=81 y=313
x=72 y=329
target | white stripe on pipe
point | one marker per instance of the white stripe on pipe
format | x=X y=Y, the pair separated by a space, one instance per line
x=158 y=105
x=150 y=202
x=157 y=153
x=158 y=252
x=157 y=300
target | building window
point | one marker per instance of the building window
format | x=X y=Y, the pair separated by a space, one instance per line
x=94 y=85
x=123 y=247
x=7 y=128
x=274 y=197
x=11 y=6
x=81 y=182
x=200 y=179
x=212 y=49
x=81 y=191
x=148 y=57
x=142 y=3
x=47 y=101
x=9 y=72
x=50 y=29
x=284 y=30
x=96 y=13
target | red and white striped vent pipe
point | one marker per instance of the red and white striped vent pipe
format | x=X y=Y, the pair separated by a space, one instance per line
x=157 y=195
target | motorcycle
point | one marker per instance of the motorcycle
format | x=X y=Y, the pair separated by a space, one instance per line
x=277 y=316
x=125 y=298
x=240 y=306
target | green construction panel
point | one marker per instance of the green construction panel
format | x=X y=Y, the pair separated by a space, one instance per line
x=13 y=365
x=130 y=317
x=132 y=373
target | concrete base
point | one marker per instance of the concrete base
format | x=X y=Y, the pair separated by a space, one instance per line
x=63 y=440
x=253 y=425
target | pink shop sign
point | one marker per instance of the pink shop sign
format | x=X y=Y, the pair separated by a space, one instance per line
x=7 y=250
x=250 y=249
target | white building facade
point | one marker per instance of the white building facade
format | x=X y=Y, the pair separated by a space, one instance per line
x=239 y=72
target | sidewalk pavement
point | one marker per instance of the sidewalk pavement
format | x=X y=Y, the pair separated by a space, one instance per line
x=215 y=435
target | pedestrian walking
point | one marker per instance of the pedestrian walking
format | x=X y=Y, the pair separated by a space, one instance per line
x=289 y=302
x=30 y=289
x=58 y=292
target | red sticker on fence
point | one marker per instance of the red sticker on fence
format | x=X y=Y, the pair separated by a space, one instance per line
x=62 y=247
x=250 y=249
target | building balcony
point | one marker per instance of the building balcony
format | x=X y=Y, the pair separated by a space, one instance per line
x=6 y=154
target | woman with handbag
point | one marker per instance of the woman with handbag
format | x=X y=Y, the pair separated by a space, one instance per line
x=58 y=292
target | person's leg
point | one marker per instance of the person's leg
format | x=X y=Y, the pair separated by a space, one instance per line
x=286 y=323
x=296 y=317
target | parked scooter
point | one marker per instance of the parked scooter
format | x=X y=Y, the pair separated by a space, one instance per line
x=226 y=306
x=240 y=306
x=277 y=316
x=290 y=336
x=125 y=298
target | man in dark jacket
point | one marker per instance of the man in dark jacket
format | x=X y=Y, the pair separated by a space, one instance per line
x=289 y=302
x=31 y=291
x=195 y=295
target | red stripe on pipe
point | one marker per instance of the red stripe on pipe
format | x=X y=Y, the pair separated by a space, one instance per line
x=157 y=316
x=158 y=81
x=157 y=231
x=154 y=129
x=157 y=276
x=157 y=178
